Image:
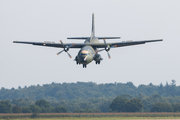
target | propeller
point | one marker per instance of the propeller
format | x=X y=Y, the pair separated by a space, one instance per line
x=107 y=48
x=66 y=48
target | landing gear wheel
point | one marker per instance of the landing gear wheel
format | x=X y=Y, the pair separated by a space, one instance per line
x=84 y=65
x=98 y=62
x=77 y=62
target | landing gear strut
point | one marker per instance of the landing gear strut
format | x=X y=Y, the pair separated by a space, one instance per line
x=84 y=65
x=98 y=62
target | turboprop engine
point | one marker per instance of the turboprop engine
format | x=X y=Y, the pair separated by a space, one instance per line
x=97 y=58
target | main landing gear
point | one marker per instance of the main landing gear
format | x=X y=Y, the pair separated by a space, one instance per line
x=84 y=65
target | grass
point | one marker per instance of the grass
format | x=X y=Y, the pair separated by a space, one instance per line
x=101 y=118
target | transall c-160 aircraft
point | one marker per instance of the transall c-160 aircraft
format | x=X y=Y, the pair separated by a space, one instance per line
x=89 y=50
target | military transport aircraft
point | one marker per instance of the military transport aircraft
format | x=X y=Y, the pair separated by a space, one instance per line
x=90 y=48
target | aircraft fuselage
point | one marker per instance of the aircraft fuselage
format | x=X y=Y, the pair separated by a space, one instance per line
x=87 y=53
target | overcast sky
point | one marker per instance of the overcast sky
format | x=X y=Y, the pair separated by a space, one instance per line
x=54 y=20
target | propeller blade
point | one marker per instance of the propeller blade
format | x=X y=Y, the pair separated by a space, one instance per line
x=104 y=41
x=66 y=48
x=69 y=54
x=60 y=52
x=61 y=42
x=101 y=50
x=108 y=55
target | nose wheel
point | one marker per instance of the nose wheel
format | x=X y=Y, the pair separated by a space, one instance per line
x=98 y=62
x=84 y=65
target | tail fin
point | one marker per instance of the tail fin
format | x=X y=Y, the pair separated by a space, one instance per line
x=93 y=27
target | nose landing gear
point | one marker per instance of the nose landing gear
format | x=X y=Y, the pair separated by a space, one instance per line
x=84 y=65
x=98 y=62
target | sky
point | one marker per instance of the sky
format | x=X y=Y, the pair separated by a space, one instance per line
x=54 y=20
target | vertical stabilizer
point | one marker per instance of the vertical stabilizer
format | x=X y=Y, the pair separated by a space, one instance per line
x=93 y=27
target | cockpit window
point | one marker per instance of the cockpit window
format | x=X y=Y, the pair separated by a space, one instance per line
x=84 y=53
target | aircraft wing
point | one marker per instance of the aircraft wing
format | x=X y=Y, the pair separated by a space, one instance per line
x=123 y=43
x=52 y=44
x=95 y=45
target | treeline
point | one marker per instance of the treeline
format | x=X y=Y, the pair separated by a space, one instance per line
x=87 y=90
x=154 y=103
x=121 y=103
x=40 y=106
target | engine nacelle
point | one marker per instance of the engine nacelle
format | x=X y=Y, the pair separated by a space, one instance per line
x=76 y=59
x=97 y=57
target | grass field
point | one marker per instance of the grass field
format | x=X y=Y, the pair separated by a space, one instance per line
x=92 y=116
x=101 y=118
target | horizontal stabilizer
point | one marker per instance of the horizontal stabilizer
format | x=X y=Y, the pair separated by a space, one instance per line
x=108 y=37
x=97 y=37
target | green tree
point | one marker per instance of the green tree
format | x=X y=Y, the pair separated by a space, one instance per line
x=162 y=107
x=19 y=88
x=134 y=105
x=5 y=106
x=21 y=102
x=118 y=104
x=43 y=103
x=35 y=108
x=79 y=111
x=16 y=109
x=148 y=101
x=140 y=96
x=60 y=109
x=26 y=109
x=176 y=107
x=104 y=105
x=127 y=96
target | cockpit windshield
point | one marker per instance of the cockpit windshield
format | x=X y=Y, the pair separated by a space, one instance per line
x=84 y=53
